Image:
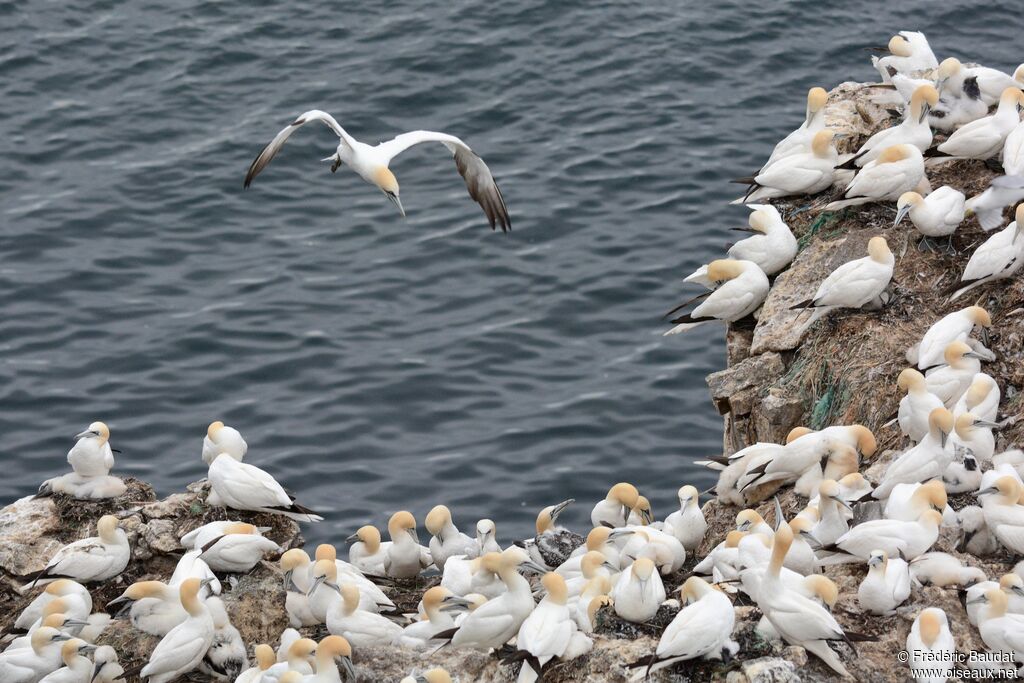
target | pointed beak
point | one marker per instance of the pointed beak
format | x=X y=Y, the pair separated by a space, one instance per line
x=61 y=636
x=76 y=622
x=944 y=438
x=560 y=508
x=840 y=501
x=987 y=424
x=316 y=584
x=396 y=201
x=874 y=561
x=82 y=435
x=975 y=601
x=87 y=647
x=901 y=214
x=123 y=605
x=289 y=585
x=990 y=490
x=352 y=539
x=620 y=533
x=412 y=532
x=348 y=668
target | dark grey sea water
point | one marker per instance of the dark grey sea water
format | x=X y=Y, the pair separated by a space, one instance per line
x=375 y=362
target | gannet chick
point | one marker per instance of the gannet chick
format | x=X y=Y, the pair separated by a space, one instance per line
x=359 y=627
x=192 y=566
x=687 y=523
x=927 y=460
x=367 y=552
x=92 y=456
x=743 y=290
x=1004 y=515
x=107 y=669
x=223 y=439
x=437 y=675
x=405 y=557
x=800 y=139
x=1003 y=191
x=897 y=538
x=90 y=559
x=226 y=657
x=984 y=138
x=981 y=398
x=639 y=592
x=75 y=597
x=956 y=326
x=548 y=632
x=1001 y=631
x=962 y=477
x=936 y=215
x=886 y=585
x=183 y=648
x=909 y=52
x=84 y=488
x=265 y=658
x=487 y=537
x=855 y=283
x=998 y=258
x=238 y=549
x=908 y=501
x=916 y=406
x=613 y=511
x=949 y=382
x=492 y=624
x=242 y=486
x=930 y=647
x=28 y=665
x=419 y=633
x=805 y=172
x=960 y=99
x=913 y=130
x=975 y=537
x=152 y=606
x=553 y=544
x=331 y=652
x=446 y=539
x=942 y=569
x=296 y=567
x=371 y=163
x=897 y=169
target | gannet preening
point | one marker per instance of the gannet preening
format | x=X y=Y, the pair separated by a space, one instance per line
x=949 y=382
x=956 y=326
x=226 y=657
x=909 y=53
x=1001 y=631
x=223 y=439
x=886 y=585
x=930 y=647
x=550 y=631
x=832 y=522
x=242 y=486
x=908 y=501
x=90 y=559
x=332 y=652
x=153 y=607
x=942 y=569
x=914 y=130
x=367 y=552
x=927 y=460
x=30 y=664
x=855 y=283
x=613 y=511
x=805 y=172
x=897 y=169
x=106 y=667
x=974 y=435
x=183 y=648
x=434 y=620
x=936 y=215
x=687 y=523
x=1003 y=191
x=265 y=658
x=897 y=538
x=298 y=656
x=800 y=139
x=360 y=627
x=405 y=557
x=598 y=539
x=999 y=257
x=446 y=539
x=639 y=592
x=372 y=163
x=372 y=597
x=916 y=405
x=1004 y=515
x=743 y=290
x=487 y=537
x=237 y=549
x=553 y=544
x=984 y=138
x=295 y=564
x=703 y=628
x=192 y=566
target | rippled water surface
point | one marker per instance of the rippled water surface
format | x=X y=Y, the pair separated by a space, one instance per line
x=375 y=362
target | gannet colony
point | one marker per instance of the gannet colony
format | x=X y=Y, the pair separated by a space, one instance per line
x=867 y=522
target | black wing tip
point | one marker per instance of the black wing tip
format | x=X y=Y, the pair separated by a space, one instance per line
x=807 y=303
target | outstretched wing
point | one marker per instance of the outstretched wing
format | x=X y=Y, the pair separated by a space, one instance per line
x=268 y=153
x=479 y=181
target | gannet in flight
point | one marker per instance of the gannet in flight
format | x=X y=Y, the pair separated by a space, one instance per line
x=371 y=163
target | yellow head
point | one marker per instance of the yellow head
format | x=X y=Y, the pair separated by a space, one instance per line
x=188 y=592
x=437 y=675
x=955 y=352
x=43 y=636
x=370 y=537
x=106 y=528
x=326 y=551
x=894 y=153
x=293 y=559
x=400 y=522
x=212 y=430
x=796 y=432
x=350 y=594
x=597 y=603
x=1011 y=97
x=554 y=584
x=265 y=657
x=924 y=94
x=643 y=568
x=334 y=646
x=949 y=68
x=746 y=519
x=866 y=442
x=910 y=380
x=934 y=494
x=437 y=519
x=824 y=588
x=878 y=249
x=942 y=420
x=931 y=621
x=910 y=199
x=816 y=99
x=979 y=315
x=821 y=143
x=240 y=528
x=385 y=180
x=303 y=648
x=625 y=494
x=899 y=46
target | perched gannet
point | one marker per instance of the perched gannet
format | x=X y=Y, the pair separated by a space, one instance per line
x=975 y=537
x=553 y=544
x=86 y=488
x=367 y=552
x=984 y=138
x=372 y=597
x=598 y=540
x=998 y=258
x=371 y=163
x=743 y=290
x=405 y=557
x=981 y=398
x=331 y=652
x=153 y=607
x=936 y=215
x=419 y=633
x=808 y=171
x=897 y=538
x=52 y=618
x=183 y=648
x=437 y=675
x=295 y=564
x=549 y=631
x=908 y=501
x=1004 y=515
x=897 y=169
x=639 y=592
x=107 y=668
x=950 y=381
x=974 y=435
x=446 y=539
x=1001 y=631
x=492 y=624
x=772 y=247
x=324 y=584
x=200 y=536
x=727 y=489
x=914 y=130
x=221 y=438
x=592 y=565
x=660 y=546
x=90 y=559
x=487 y=537
x=942 y=569
x=856 y=283
x=242 y=486
x=687 y=523
x=927 y=460
x=804 y=452
x=799 y=620
x=800 y=139
x=642 y=513
x=832 y=522
x=909 y=53
x=886 y=585
x=930 y=647
x=265 y=658
x=988 y=206
x=298 y=657
x=916 y=406
x=613 y=511
x=75 y=597
x=237 y=549
x=192 y=566
x=359 y=627
x=956 y=326
x=29 y=664
x=226 y=657
x=722 y=563
x=92 y=456
x=1013 y=152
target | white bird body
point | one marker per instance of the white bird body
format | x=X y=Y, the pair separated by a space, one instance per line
x=960 y=101
x=493 y=624
x=981 y=398
x=371 y=163
x=936 y=215
x=90 y=559
x=29 y=664
x=896 y=537
x=71 y=592
x=221 y=438
x=858 y=282
x=975 y=436
x=1013 y=152
x=800 y=139
x=418 y=634
x=908 y=501
x=155 y=607
x=949 y=382
x=975 y=537
x=237 y=552
x=613 y=509
x=265 y=659
x=886 y=585
x=549 y=629
x=916 y=406
x=913 y=130
x=226 y=657
x=191 y=565
x=930 y=647
x=1000 y=256
x=639 y=592
x=1004 y=515
x=86 y=488
x=910 y=53
x=660 y=546
x=367 y=553
x=91 y=456
x=993 y=83
x=242 y=486
x=359 y=627
x=183 y=648
x=956 y=326
x=926 y=460
x=446 y=539
x=1003 y=191
x=832 y=523
x=943 y=570
x=405 y=557
x=808 y=171
x=984 y=138
x=772 y=246
x=687 y=523
x=1000 y=630
x=743 y=291
x=897 y=169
